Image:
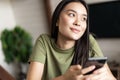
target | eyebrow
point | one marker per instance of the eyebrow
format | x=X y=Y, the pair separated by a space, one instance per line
x=74 y=11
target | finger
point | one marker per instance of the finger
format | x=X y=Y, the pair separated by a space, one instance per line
x=76 y=67
x=94 y=77
x=98 y=76
x=88 y=69
x=101 y=70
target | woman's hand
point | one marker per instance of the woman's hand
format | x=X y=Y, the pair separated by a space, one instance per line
x=101 y=74
x=76 y=72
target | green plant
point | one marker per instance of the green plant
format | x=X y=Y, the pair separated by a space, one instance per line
x=16 y=45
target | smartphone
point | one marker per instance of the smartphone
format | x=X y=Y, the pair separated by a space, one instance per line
x=98 y=62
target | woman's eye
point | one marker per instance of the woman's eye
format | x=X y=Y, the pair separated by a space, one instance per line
x=84 y=19
x=71 y=15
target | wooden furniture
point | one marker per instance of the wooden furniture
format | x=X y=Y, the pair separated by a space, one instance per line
x=48 y=10
x=4 y=75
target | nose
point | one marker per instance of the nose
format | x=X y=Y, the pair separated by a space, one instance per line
x=77 y=22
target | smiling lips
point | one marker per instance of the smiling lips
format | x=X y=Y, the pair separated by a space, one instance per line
x=75 y=30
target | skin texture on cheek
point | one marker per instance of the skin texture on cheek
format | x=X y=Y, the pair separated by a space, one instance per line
x=64 y=27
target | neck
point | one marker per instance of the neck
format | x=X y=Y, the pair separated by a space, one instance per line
x=65 y=43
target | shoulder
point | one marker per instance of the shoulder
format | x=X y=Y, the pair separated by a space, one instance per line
x=44 y=37
x=94 y=47
x=92 y=39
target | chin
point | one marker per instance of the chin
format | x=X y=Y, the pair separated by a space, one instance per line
x=76 y=37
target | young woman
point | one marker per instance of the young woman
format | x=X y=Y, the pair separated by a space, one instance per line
x=61 y=55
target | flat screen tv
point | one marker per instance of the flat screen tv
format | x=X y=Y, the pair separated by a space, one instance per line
x=105 y=19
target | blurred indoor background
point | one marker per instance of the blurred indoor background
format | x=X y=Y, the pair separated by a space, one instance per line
x=32 y=16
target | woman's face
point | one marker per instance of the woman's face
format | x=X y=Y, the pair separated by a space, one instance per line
x=72 y=21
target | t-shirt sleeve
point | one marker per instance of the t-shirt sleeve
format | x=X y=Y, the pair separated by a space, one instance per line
x=95 y=50
x=39 y=52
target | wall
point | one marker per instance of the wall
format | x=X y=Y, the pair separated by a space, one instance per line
x=54 y=3
x=97 y=1
x=7 y=20
x=110 y=48
x=30 y=14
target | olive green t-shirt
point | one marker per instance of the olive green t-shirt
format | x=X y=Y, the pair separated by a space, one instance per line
x=55 y=60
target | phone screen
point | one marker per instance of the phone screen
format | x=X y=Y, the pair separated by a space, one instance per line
x=98 y=62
